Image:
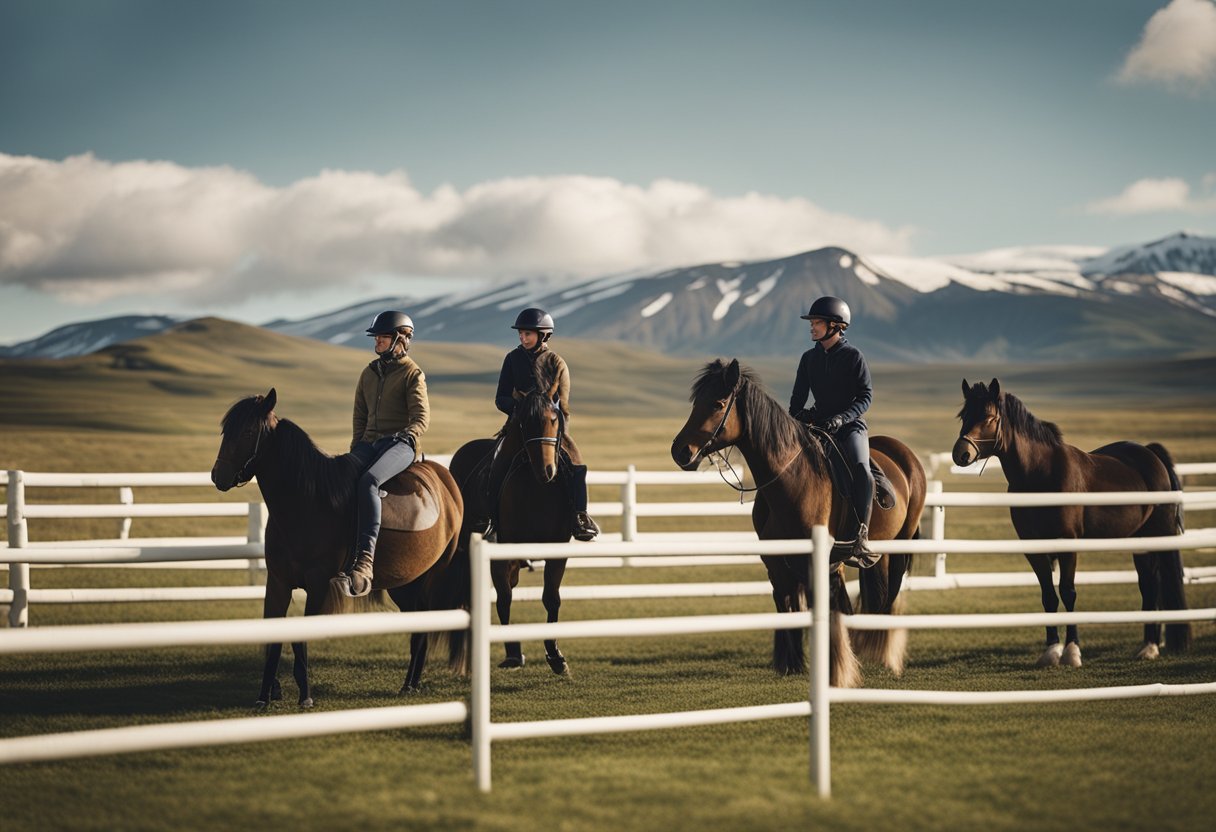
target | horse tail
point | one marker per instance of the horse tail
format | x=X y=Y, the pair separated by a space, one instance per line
x=457 y=588
x=879 y=593
x=1170 y=574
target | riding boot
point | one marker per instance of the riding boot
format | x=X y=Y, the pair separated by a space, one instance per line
x=585 y=528
x=852 y=547
x=361 y=574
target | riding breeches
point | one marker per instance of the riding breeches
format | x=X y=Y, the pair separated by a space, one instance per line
x=386 y=458
x=853 y=440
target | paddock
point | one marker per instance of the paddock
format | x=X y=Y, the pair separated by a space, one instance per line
x=648 y=549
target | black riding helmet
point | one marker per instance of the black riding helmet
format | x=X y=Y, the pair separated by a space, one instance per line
x=537 y=320
x=390 y=323
x=397 y=324
x=830 y=309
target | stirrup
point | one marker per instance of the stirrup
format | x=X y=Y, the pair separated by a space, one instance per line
x=585 y=528
x=490 y=535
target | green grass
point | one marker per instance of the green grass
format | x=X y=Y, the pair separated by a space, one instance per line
x=1097 y=765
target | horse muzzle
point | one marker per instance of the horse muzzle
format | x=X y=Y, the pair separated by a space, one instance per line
x=965 y=452
x=685 y=456
x=222 y=477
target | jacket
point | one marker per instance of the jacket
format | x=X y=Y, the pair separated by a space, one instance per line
x=391 y=398
x=839 y=380
x=517 y=378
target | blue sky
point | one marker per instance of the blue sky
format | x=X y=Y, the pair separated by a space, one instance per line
x=259 y=158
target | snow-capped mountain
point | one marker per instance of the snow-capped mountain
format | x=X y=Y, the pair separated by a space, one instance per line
x=89 y=336
x=1028 y=303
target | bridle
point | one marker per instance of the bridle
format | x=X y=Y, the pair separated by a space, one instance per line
x=701 y=453
x=994 y=441
x=546 y=440
x=241 y=479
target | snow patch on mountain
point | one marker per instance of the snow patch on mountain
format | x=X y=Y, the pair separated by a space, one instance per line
x=656 y=305
x=763 y=287
x=1196 y=284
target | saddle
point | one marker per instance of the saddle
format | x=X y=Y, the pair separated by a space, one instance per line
x=409 y=502
x=842 y=477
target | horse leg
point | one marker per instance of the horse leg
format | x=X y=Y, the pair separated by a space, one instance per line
x=500 y=574
x=554 y=570
x=407 y=598
x=313 y=602
x=1068 y=594
x=1042 y=570
x=274 y=605
x=788 y=655
x=1146 y=576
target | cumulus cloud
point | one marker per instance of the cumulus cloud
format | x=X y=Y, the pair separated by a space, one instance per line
x=1155 y=196
x=88 y=229
x=1178 y=46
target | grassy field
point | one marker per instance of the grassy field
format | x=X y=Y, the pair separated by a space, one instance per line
x=1137 y=764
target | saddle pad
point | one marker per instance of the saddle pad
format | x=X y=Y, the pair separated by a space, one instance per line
x=410 y=503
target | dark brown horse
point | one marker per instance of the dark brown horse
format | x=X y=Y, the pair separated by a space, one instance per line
x=311 y=529
x=534 y=504
x=1035 y=457
x=795 y=493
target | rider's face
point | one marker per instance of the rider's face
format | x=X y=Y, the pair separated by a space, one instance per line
x=528 y=338
x=383 y=342
x=819 y=329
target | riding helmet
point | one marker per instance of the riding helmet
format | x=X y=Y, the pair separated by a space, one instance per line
x=533 y=318
x=390 y=323
x=830 y=309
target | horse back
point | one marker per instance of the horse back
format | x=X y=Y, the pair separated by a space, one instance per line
x=421 y=516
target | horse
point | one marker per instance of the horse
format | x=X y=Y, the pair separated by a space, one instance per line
x=1035 y=457
x=311 y=529
x=731 y=408
x=534 y=505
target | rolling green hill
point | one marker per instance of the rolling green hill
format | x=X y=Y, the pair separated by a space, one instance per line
x=155 y=403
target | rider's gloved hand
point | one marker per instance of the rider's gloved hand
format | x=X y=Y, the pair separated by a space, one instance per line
x=832 y=424
x=408 y=439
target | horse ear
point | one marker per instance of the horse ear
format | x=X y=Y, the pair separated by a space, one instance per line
x=966 y=388
x=731 y=377
x=268 y=402
x=994 y=390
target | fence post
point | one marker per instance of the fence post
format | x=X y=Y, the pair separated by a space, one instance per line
x=937 y=528
x=480 y=671
x=629 y=503
x=258 y=515
x=821 y=751
x=18 y=538
x=126 y=497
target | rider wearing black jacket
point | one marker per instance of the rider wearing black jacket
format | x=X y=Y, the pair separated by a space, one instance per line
x=836 y=375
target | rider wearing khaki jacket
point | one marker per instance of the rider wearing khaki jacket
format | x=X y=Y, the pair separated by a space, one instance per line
x=391 y=398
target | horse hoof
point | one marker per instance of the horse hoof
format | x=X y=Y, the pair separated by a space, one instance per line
x=409 y=690
x=305 y=704
x=512 y=662
x=1051 y=656
x=260 y=705
x=1149 y=651
x=1072 y=655
x=558 y=664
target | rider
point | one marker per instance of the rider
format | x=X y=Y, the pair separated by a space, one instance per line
x=391 y=413
x=515 y=380
x=835 y=373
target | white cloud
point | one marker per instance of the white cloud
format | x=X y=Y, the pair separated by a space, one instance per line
x=1178 y=46
x=1155 y=196
x=85 y=228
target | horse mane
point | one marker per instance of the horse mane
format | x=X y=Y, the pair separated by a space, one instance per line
x=322 y=478
x=1015 y=415
x=768 y=423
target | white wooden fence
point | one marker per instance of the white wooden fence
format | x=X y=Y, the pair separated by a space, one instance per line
x=246 y=552
x=485 y=732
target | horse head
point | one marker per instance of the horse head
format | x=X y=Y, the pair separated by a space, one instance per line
x=714 y=422
x=539 y=418
x=241 y=433
x=980 y=434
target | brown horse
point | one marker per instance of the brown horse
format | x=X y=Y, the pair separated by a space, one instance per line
x=1034 y=458
x=311 y=529
x=795 y=493
x=534 y=504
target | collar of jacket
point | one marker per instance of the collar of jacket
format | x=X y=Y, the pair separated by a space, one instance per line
x=381 y=366
x=819 y=345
